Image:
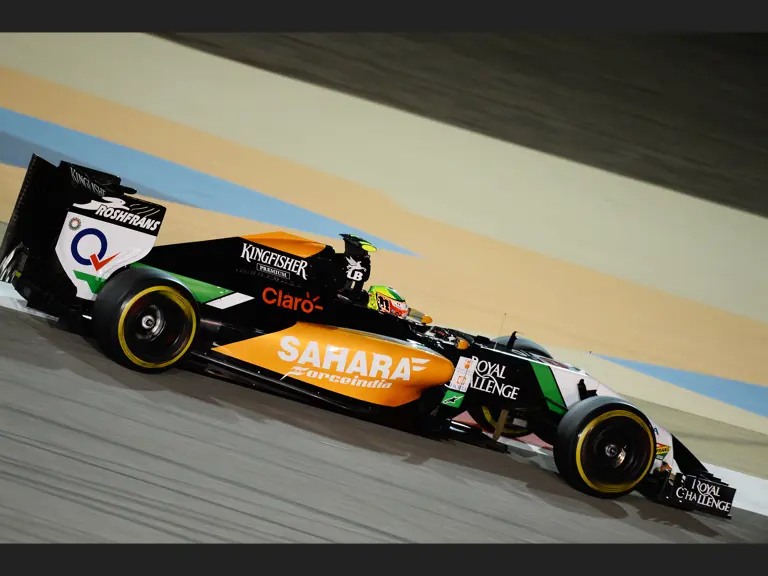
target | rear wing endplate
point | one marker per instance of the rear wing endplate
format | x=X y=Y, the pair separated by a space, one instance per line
x=75 y=221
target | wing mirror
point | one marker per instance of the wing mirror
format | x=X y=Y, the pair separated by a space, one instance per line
x=419 y=316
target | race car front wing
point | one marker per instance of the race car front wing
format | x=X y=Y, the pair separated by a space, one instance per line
x=702 y=492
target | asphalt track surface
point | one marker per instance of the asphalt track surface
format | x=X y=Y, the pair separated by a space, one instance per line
x=93 y=452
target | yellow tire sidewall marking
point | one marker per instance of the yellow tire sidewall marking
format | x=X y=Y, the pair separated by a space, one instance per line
x=175 y=296
x=613 y=488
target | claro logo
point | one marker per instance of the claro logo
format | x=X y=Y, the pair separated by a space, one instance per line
x=276 y=297
x=345 y=366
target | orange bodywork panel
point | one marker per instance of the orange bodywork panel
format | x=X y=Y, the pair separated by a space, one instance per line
x=288 y=243
x=364 y=366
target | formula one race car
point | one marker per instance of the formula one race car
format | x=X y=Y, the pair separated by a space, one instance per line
x=292 y=314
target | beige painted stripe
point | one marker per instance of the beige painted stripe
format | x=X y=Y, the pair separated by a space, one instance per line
x=622 y=227
x=630 y=383
x=464 y=279
x=731 y=446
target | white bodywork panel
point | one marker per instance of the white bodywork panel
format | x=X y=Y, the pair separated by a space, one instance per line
x=568 y=377
x=90 y=250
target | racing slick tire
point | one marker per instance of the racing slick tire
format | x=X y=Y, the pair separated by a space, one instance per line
x=487 y=417
x=145 y=320
x=604 y=447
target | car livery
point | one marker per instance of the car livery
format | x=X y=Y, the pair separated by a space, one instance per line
x=292 y=314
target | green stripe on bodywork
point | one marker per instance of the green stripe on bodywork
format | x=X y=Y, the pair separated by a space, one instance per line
x=549 y=387
x=202 y=291
x=94 y=283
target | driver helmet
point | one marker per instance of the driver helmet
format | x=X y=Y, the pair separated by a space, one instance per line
x=386 y=299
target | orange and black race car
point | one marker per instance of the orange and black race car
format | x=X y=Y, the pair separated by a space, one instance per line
x=279 y=311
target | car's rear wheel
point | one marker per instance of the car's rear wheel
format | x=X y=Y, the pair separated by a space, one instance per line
x=145 y=320
x=604 y=447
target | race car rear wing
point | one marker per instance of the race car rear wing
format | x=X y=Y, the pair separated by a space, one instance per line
x=70 y=229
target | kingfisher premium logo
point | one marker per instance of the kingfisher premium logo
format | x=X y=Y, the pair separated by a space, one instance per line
x=273 y=263
x=79 y=179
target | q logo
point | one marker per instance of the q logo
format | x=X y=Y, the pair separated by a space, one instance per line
x=97 y=260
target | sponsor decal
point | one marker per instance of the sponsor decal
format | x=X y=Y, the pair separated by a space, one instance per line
x=90 y=249
x=107 y=201
x=661 y=451
x=273 y=263
x=453 y=398
x=489 y=377
x=96 y=259
x=702 y=493
x=82 y=181
x=462 y=375
x=355 y=363
x=336 y=378
x=135 y=215
x=276 y=297
x=355 y=269
x=344 y=365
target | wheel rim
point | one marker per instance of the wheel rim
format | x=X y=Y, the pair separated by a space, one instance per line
x=156 y=327
x=615 y=451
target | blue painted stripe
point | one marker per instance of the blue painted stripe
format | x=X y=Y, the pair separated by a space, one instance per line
x=751 y=397
x=17 y=152
x=21 y=135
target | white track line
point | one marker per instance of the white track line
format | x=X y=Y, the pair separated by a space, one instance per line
x=751 y=492
x=9 y=298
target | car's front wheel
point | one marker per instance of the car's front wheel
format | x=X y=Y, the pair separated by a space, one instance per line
x=604 y=447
